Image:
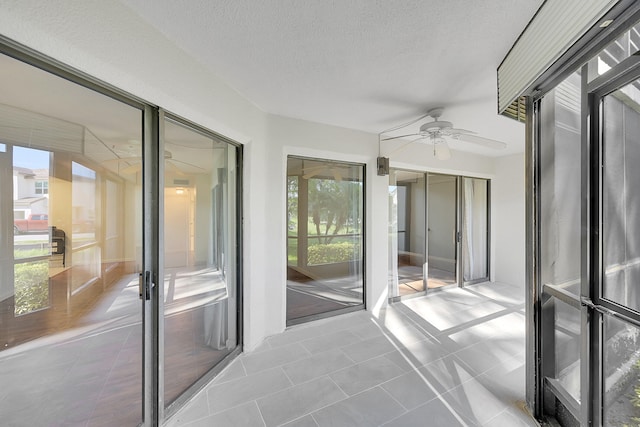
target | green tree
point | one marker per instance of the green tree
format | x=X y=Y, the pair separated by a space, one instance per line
x=331 y=204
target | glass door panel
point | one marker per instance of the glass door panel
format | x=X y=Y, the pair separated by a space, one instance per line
x=200 y=283
x=620 y=274
x=407 y=194
x=325 y=225
x=442 y=228
x=560 y=248
x=475 y=230
x=70 y=328
x=621 y=204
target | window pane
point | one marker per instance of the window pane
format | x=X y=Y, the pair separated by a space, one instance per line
x=560 y=232
x=475 y=229
x=622 y=48
x=442 y=214
x=621 y=200
x=325 y=219
x=200 y=299
x=621 y=373
x=567 y=346
x=70 y=325
x=407 y=220
x=560 y=185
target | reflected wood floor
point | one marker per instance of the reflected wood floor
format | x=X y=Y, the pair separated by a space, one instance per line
x=88 y=372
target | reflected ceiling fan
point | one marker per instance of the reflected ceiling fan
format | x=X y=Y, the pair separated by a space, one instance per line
x=434 y=132
x=134 y=164
x=325 y=170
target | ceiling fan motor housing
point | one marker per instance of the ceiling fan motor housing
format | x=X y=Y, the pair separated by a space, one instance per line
x=435 y=127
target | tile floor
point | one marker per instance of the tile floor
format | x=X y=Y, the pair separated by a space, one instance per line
x=452 y=358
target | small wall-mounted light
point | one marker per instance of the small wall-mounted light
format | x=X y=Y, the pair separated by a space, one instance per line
x=179 y=190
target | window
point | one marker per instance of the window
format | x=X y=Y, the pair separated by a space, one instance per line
x=42 y=187
x=325 y=235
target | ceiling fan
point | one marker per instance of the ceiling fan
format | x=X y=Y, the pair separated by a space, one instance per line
x=134 y=164
x=434 y=132
x=322 y=170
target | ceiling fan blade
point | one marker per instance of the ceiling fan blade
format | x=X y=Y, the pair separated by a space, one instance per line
x=170 y=166
x=309 y=175
x=485 y=142
x=313 y=168
x=121 y=159
x=453 y=132
x=191 y=165
x=398 y=137
x=132 y=169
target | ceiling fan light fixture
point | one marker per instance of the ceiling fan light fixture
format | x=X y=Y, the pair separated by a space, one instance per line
x=441 y=149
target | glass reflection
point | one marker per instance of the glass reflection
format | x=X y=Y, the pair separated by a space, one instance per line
x=200 y=300
x=621 y=372
x=407 y=219
x=70 y=319
x=475 y=229
x=325 y=237
x=621 y=201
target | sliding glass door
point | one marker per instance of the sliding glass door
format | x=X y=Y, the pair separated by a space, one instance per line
x=408 y=221
x=200 y=299
x=439 y=231
x=71 y=248
x=325 y=235
x=442 y=230
x=119 y=253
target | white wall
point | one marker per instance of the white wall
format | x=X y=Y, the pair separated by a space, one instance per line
x=507 y=220
x=107 y=41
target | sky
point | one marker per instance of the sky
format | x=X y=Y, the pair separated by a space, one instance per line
x=30 y=158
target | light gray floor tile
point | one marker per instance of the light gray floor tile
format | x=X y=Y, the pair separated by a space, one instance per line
x=480 y=357
x=454 y=319
x=299 y=400
x=259 y=361
x=473 y=400
x=296 y=334
x=234 y=371
x=411 y=389
x=242 y=390
x=306 y=421
x=366 y=330
x=505 y=419
x=433 y=413
x=196 y=409
x=316 y=366
x=506 y=380
x=330 y=341
x=368 y=349
x=420 y=353
x=365 y=375
x=520 y=412
x=455 y=357
x=447 y=373
x=240 y=416
x=369 y=408
x=398 y=326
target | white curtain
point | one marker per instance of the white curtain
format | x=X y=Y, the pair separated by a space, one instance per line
x=393 y=239
x=474 y=229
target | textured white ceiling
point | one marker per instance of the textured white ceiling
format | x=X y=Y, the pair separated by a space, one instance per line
x=360 y=64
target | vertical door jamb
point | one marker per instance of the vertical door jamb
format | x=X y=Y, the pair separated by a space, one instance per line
x=150 y=268
x=425 y=264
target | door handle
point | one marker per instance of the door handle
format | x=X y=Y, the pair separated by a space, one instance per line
x=145 y=285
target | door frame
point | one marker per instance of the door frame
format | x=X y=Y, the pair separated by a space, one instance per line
x=459 y=217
